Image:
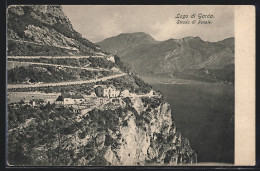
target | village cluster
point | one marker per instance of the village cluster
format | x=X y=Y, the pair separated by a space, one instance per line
x=103 y=96
x=82 y=103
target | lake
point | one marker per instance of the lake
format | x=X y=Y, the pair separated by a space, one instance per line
x=204 y=113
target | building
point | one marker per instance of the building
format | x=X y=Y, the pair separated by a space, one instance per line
x=115 y=69
x=106 y=91
x=110 y=58
x=51 y=101
x=152 y=93
x=125 y=93
x=77 y=108
x=67 y=99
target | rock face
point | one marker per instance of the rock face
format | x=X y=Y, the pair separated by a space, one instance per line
x=154 y=142
x=129 y=135
x=43 y=30
x=142 y=138
x=48 y=14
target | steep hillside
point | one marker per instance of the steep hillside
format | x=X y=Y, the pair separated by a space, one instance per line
x=176 y=56
x=46 y=55
x=139 y=131
x=44 y=30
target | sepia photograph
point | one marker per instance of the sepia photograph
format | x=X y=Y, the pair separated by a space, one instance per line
x=121 y=85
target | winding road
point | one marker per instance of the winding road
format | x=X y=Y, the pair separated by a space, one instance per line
x=63 y=47
x=56 y=65
x=53 y=57
x=11 y=86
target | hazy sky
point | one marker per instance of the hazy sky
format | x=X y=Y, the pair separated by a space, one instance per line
x=97 y=22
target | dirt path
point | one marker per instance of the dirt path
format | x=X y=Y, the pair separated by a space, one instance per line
x=63 y=47
x=10 y=86
x=56 y=65
x=53 y=57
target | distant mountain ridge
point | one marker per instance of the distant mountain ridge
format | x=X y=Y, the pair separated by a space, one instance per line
x=148 y=56
x=119 y=45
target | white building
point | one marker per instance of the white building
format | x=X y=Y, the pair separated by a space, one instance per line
x=106 y=91
x=125 y=93
x=152 y=93
x=110 y=58
x=115 y=69
x=67 y=99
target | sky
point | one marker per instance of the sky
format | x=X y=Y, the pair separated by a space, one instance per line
x=98 y=22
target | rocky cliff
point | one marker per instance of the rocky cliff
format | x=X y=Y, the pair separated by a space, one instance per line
x=140 y=131
x=44 y=30
x=152 y=141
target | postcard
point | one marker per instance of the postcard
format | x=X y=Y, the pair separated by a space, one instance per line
x=130 y=85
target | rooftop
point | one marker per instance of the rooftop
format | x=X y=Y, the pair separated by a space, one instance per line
x=77 y=96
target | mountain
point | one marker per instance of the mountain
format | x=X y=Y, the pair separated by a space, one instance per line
x=175 y=57
x=44 y=30
x=125 y=42
x=48 y=57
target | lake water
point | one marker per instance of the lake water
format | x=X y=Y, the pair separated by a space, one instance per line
x=204 y=113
